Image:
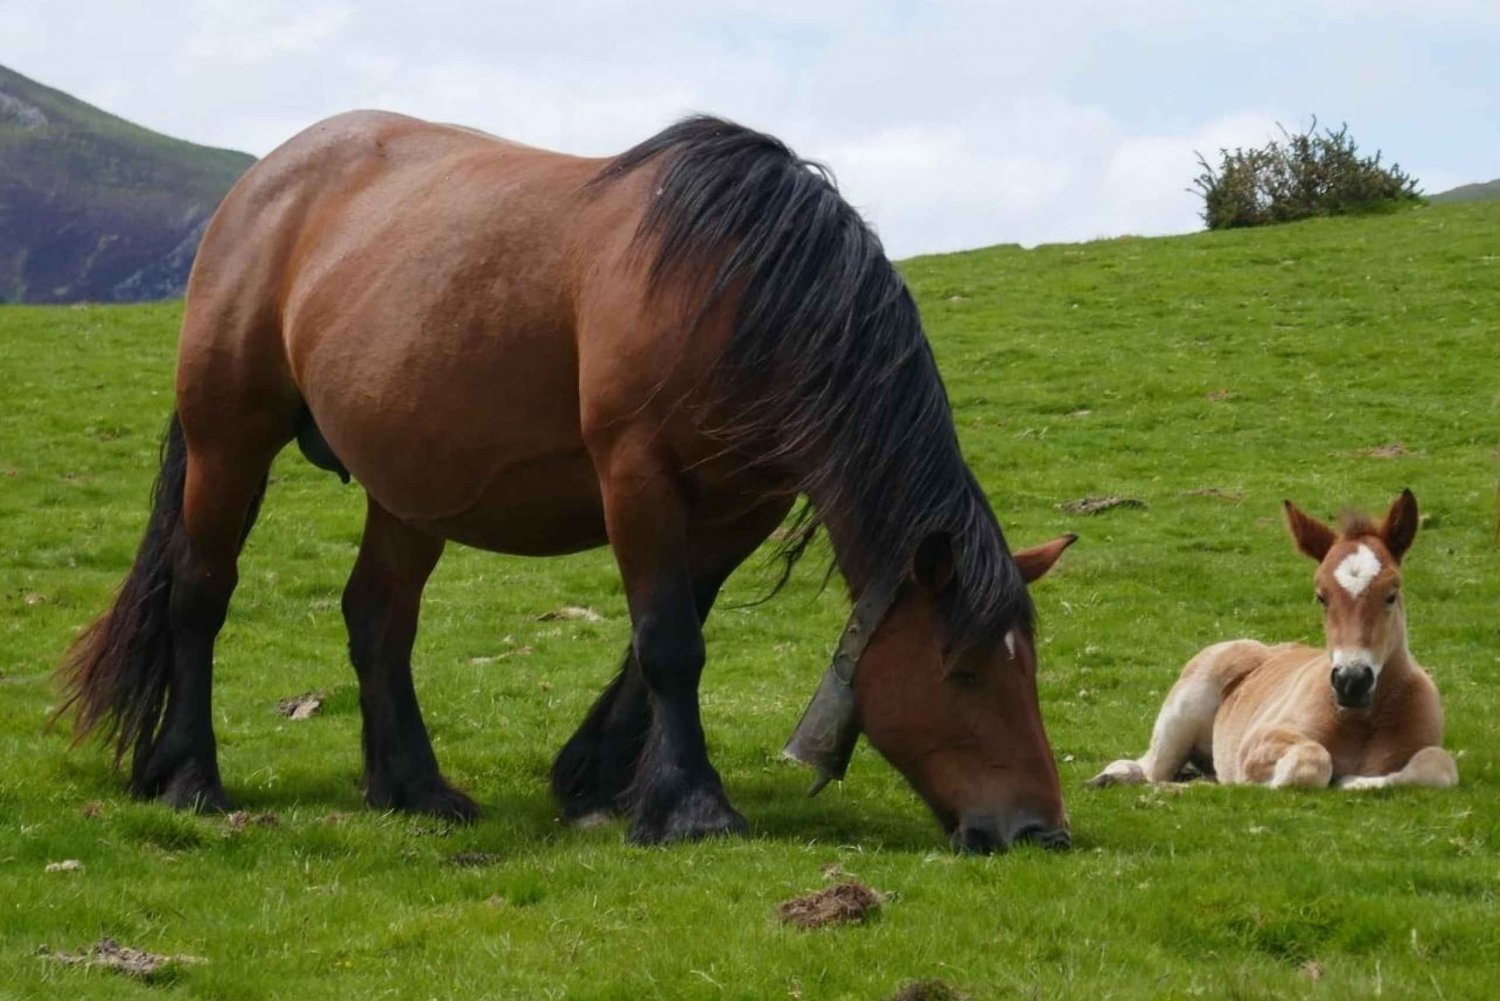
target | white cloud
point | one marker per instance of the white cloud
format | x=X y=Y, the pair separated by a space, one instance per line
x=952 y=123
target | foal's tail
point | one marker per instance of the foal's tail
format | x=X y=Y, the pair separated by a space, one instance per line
x=116 y=673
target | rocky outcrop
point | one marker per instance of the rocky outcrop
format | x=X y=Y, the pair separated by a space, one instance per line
x=93 y=208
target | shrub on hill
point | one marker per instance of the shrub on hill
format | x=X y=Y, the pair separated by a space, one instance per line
x=1301 y=175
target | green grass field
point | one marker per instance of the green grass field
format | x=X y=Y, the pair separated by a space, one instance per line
x=1208 y=376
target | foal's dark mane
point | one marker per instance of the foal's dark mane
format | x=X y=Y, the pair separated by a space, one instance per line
x=827 y=361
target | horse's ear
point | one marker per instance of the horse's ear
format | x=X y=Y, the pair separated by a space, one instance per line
x=1400 y=525
x=1036 y=561
x=1312 y=536
x=932 y=564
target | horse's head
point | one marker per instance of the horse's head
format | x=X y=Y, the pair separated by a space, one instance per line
x=1358 y=583
x=963 y=725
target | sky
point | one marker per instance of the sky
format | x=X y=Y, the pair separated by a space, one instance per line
x=950 y=124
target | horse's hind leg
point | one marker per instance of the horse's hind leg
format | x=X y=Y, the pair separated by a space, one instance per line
x=222 y=490
x=381 y=605
x=1184 y=729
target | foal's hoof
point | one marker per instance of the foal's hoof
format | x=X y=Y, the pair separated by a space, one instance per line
x=1119 y=773
x=698 y=815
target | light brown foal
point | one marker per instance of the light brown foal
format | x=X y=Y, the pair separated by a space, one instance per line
x=1359 y=715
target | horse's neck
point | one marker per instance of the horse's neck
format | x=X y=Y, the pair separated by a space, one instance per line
x=844 y=536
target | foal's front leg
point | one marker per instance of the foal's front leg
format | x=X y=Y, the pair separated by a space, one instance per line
x=1284 y=757
x=677 y=794
x=1431 y=766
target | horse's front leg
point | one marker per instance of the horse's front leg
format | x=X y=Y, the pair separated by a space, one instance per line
x=594 y=772
x=1284 y=757
x=1431 y=766
x=676 y=794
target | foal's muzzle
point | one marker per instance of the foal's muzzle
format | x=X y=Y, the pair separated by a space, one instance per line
x=1353 y=685
x=983 y=834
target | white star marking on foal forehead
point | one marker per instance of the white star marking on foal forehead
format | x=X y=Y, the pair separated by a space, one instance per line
x=1357 y=570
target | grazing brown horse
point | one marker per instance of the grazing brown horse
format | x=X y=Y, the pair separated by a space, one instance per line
x=536 y=354
x=1360 y=714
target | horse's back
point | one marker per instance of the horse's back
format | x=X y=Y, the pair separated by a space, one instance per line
x=409 y=285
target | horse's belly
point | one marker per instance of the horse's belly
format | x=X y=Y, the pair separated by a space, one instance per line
x=543 y=507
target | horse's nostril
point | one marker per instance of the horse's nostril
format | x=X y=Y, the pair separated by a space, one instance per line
x=1353 y=684
x=976 y=839
x=1057 y=840
x=1051 y=838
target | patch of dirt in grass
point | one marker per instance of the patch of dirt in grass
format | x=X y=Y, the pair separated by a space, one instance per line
x=1098 y=505
x=93 y=809
x=570 y=613
x=1216 y=493
x=241 y=819
x=929 y=990
x=304 y=706
x=66 y=865
x=846 y=903
x=520 y=651
x=474 y=860
x=1392 y=450
x=1219 y=395
x=111 y=955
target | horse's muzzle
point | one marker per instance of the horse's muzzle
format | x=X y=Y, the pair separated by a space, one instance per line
x=1353 y=685
x=983 y=834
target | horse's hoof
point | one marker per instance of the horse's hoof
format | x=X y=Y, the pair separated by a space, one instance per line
x=434 y=798
x=450 y=804
x=189 y=790
x=182 y=784
x=590 y=820
x=700 y=815
x=590 y=811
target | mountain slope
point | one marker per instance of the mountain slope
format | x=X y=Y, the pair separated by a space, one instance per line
x=93 y=207
x=1482 y=192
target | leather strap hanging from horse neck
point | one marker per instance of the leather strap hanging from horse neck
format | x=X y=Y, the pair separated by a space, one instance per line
x=825 y=736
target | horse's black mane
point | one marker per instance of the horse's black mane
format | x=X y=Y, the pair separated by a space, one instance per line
x=827 y=361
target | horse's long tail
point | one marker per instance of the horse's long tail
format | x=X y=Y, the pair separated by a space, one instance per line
x=117 y=673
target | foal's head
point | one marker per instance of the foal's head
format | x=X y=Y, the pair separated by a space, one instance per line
x=963 y=725
x=1359 y=586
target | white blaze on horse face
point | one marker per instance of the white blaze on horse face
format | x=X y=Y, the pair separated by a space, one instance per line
x=1357 y=570
x=1010 y=643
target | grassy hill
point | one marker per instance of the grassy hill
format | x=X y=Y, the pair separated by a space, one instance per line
x=1209 y=376
x=93 y=208
x=1484 y=191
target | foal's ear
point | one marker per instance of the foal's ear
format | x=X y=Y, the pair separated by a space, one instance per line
x=1036 y=561
x=932 y=565
x=1312 y=536
x=1400 y=525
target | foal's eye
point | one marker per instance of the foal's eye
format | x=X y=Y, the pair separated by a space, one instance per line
x=1322 y=599
x=1390 y=599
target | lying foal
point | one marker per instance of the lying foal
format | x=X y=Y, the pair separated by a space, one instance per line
x=1359 y=715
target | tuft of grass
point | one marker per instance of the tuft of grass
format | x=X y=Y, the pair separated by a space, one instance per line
x=1207 y=376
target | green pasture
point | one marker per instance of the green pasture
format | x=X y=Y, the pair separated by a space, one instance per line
x=1208 y=376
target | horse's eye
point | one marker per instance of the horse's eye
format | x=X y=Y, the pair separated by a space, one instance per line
x=1322 y=599
x=965 y=678
x=1390 y=599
